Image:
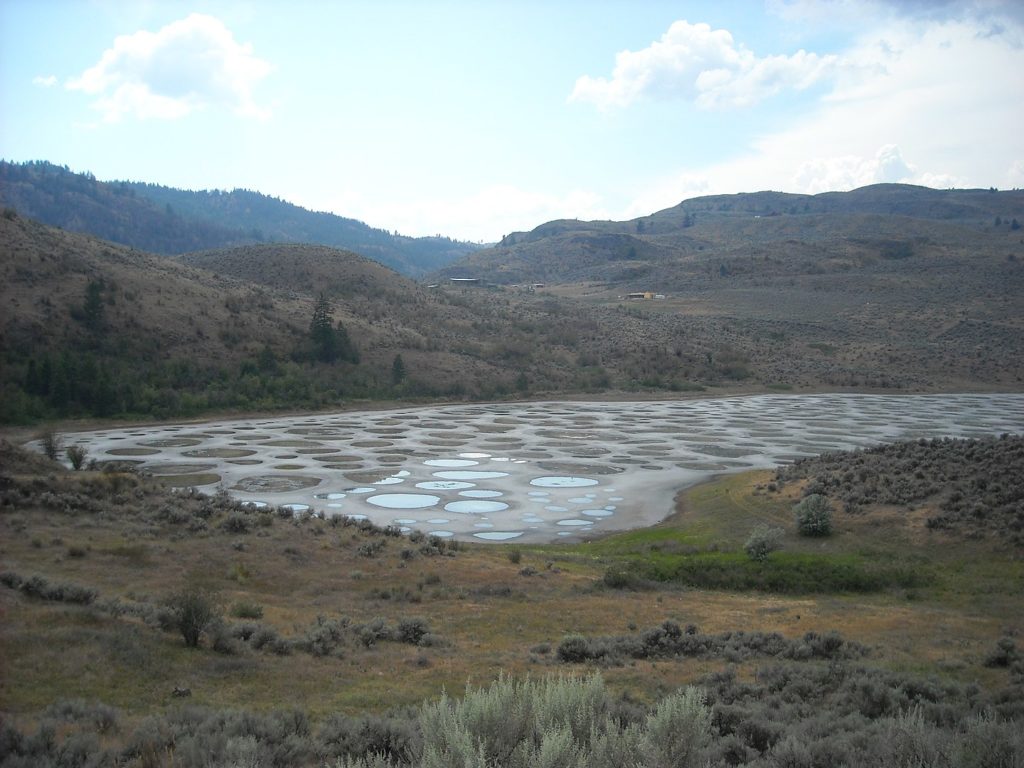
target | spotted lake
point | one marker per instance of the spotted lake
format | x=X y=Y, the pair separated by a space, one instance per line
x=539 y=471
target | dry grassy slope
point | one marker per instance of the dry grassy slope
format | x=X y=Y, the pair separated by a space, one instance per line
x=833 y=231
x=454 y=334
x=252 y=296
x=935 y=320
x=156 y=308
x=303 y=269
x=886 y=286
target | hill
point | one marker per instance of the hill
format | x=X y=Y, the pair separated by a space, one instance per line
x=895 y=285
x=762 y=236
x=174 y=221
x=787 y=302
x=94 y=328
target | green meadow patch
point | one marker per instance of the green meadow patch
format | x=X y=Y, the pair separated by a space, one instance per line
x=782 y=572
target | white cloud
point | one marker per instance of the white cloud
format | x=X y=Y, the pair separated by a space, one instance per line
x=45 y=82
x=188 y=65
x=695 y=62
x=824 y=174
x=1015 y=176
x=916 y=101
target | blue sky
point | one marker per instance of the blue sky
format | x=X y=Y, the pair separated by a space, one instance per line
x=475 y=119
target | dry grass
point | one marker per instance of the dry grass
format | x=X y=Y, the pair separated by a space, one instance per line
x=489 y=615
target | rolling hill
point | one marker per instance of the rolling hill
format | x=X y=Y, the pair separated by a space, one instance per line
x=763 y=234
x=893 y=285
x=95 y=328
x=174 y=221
x=753 y=301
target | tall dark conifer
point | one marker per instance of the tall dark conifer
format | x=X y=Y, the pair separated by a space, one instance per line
x=321 y=332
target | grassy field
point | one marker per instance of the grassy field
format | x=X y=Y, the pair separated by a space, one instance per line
x=131 y=543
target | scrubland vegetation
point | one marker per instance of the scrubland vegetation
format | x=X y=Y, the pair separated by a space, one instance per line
x=145 y=627
x=972 y=486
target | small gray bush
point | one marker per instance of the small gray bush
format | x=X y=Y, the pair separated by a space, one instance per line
x=76 y=455
x=813 y=516
x=762 y=542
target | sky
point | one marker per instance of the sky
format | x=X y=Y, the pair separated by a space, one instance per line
x=476 y=118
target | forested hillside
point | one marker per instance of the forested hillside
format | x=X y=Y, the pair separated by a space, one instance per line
x=173 y=221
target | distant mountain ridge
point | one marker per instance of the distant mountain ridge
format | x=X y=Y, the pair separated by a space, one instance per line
x=172 y=221
x=721 y=234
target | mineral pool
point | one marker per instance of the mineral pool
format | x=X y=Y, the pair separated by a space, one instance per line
x=530 y=472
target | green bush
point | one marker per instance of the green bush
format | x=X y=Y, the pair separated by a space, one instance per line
x=192 y=611
x=618 y=577
x=813 y=516
x=787 y=572
x=762 y=542
x=247 y=610
x=573 y=649
x=412 y=630
x=237 y=522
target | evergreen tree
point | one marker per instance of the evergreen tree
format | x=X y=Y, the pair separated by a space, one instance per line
x=322 y=333
x=267 y=360
x=92 y=309
x=397 y=370
x=345 y=347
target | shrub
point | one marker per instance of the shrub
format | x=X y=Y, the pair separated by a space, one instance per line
x=370 y=548
x=101 y=716
x=617 y=577
x=813 y=516
x=263 y=637
x=76 y=455
x=193 y=610
x=236 y=523
x=51 y=444
x=762 y=542
x=325 y=637
x=671 y=641
x=41 y=589
x=370 y=740
x=1004 y=654
x=677 y=730
x=411 y=630
x=222 y=639
x=559 y=722
x=247 y=611
x=574 y=649
x=374 y=630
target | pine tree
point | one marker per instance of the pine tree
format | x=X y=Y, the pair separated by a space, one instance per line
x=397 y=370
x=321 y=332
x=92 y=310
